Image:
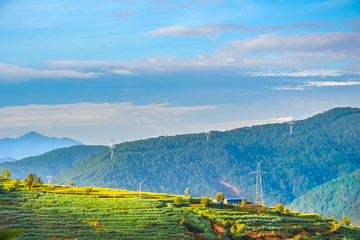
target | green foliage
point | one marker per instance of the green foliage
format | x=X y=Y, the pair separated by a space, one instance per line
x=11 y=234
x=279 y=207
x=204 y=201
x=346 y=221
x=50 y=163
x=7 y=174
x=87 y=190
x=338 y=197
x=220 y=197
x=14 y=184
x=321 y=148
x=177 y=200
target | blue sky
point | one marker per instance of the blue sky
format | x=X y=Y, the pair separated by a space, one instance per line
x=130 y=69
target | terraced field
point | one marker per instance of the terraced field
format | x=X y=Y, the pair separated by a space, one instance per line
x=62 y=212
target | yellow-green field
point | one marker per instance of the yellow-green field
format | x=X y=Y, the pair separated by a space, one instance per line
x=101 y=192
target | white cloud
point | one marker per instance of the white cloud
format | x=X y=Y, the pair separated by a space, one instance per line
x=282 y=55
x=123 y=72
x=324 y=84
x=308 y=73
x=25 y=72
x=83 y=114
x=217 y=28
x=310 y=84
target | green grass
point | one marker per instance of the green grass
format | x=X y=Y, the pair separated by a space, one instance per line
x=11 y=234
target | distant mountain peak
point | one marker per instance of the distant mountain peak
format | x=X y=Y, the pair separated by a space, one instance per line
x=32 y=134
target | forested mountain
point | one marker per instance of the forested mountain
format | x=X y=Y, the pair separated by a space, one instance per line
x=321 y=148
x=338 y=197
x=32 y=144
x=51 y=163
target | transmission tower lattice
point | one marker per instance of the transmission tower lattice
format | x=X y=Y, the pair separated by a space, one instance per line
x=112 y=147
x=291 y=125
x=49 y=178
x=207 y=134
x=259 y=198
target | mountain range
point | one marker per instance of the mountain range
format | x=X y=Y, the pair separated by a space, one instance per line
x=321 y=148
x=31 y=144
x=51 y=163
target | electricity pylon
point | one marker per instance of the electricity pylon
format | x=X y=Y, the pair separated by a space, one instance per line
x=259 y=198
x=49 y=178
x=112 y=147
x=291 y=125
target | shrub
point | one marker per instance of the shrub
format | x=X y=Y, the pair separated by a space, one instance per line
x=177 y=200
x=204 y=201
x=87 y=190
x=346 y=220
x=279 y=207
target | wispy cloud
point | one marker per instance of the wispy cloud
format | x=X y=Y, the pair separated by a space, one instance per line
x=282 y=55
x=310 y=84
x=84 y=114
x=307 y=73
x=122 y=72
x=123 y=14
x=24 y=72
x=209 y=30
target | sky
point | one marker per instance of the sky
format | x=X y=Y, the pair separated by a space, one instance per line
x=94 y=70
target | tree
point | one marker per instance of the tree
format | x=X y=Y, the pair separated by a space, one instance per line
x=204 y=201
x=7 y=173
x=37 y=181
x=346 y=221
x=177 y=200
x=186 y=192
x=87 y=190
x=14 y=184
x=220 y=197
x=279 y=207
x=3 y=172
x=29 y=181
x=243 y=203
x=287 y=211
x=70 y=183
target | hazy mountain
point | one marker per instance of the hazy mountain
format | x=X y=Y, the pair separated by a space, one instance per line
x=7 y=159
x=32 y=144
x=321 y=148
x=338 y=197
x=50 y=163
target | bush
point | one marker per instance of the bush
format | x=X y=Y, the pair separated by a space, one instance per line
x=204 y=201
x=177 y=200
x=346 y=221
x=279 y=207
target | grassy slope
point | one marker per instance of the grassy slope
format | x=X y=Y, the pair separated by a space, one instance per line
x=339 y=197
x=62 y=215
x=50 y=163
x=321 y=148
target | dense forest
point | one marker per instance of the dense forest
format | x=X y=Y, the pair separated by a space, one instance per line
x=338 y=197
x=321 y=148
x=50 y=163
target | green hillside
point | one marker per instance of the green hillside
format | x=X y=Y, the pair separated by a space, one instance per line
x=338 y=197
x=67 y=214
x=50 y=163
x=321 y=148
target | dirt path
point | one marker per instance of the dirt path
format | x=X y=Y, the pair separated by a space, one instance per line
x=230 y=186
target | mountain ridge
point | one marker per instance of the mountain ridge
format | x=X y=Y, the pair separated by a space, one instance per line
x=32 y=144
x=295 y=163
